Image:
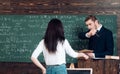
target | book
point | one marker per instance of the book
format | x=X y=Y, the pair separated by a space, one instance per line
x=112 y=57
x=86 y=51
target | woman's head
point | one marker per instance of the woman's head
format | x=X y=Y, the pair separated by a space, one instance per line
x=54 y=33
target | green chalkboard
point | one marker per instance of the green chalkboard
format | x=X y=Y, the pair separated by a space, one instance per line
x=20 y=34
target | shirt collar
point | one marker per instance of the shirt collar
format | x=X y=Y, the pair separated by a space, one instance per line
x=99 y=28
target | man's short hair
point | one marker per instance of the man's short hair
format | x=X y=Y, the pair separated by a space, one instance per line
x=92 y=17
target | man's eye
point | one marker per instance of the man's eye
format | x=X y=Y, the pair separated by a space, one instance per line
x=89 y=24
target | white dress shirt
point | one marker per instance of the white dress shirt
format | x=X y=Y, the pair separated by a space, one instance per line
x=99 y=28
x=57 y=58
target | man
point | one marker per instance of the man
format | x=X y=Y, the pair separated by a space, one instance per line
x=100 y=38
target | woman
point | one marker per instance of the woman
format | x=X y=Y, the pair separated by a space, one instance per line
x=54 y=46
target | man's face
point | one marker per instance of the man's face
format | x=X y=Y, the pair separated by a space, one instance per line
x=90 y=24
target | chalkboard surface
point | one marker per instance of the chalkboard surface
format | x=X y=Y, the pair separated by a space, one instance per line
x=20 y=34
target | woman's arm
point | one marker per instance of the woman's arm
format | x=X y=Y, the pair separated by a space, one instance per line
x=35 y=55
x=72 y=53
x=38 y=64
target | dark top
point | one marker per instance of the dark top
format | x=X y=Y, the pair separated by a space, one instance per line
x=102 y=42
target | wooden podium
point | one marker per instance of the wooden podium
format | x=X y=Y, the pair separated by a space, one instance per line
x=100 y=66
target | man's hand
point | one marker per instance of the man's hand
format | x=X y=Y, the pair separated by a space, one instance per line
x=92 y=32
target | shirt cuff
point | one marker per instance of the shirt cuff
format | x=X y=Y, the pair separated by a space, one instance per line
x=87 y=35
x=93 y=55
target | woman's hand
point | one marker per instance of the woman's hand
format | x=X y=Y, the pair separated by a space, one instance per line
x=84 y=55
x=43 y=71
x=91 y=55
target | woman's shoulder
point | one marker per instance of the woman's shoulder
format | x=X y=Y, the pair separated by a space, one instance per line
x=42 y=41
x=66 y=41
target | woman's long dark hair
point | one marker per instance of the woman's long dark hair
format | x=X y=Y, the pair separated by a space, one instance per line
x=54 y=33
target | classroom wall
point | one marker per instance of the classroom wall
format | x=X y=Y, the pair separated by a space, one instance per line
x=56 y=7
